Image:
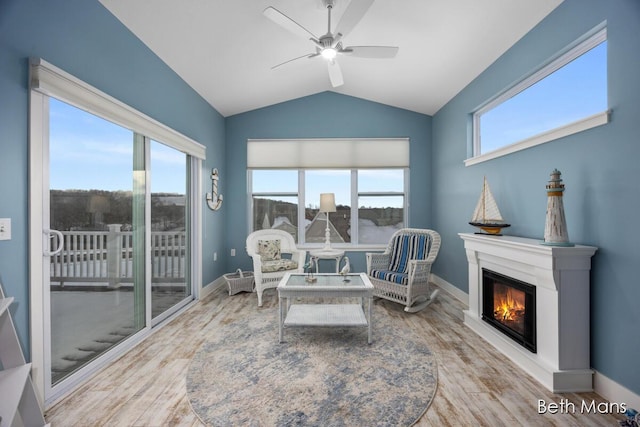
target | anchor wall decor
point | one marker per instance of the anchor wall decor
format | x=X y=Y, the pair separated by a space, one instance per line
x=214 y=200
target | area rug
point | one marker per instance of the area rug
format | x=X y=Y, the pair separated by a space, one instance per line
x=317 y=377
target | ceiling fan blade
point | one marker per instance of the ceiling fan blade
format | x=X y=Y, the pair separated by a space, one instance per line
x=287 y=23
x=352 y=15
x=308 y=55
x=335 y=74
x=371 y=51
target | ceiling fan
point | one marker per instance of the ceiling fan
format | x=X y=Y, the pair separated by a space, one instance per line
x=329 y=46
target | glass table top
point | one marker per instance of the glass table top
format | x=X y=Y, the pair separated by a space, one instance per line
x=354 y=280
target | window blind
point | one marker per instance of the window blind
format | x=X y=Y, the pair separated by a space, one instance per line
x=327 y=153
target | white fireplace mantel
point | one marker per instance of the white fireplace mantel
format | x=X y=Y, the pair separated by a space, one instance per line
x=561 y=277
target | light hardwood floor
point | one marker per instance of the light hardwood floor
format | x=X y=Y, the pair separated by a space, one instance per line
x=477 y=385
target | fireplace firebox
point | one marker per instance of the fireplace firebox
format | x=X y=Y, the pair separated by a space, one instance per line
x=509 y=305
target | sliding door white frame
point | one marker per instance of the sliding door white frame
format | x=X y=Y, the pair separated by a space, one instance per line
x=47 y=80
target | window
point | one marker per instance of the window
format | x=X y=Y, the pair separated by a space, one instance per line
x=381 y=204
x=370 y=204
x=566 y=96
x=337 y=181
x=368 y=177
x=275 y=200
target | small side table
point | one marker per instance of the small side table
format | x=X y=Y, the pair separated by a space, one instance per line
x=335 y=254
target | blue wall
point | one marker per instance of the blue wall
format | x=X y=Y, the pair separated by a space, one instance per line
x=325 y=115
x=599 y=168
x=84 y=39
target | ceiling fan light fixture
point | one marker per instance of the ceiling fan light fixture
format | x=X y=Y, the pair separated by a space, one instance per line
x=329 y=53
x=330 y=44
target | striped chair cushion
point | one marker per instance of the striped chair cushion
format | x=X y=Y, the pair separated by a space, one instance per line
x=390 y=276
x=405 y=248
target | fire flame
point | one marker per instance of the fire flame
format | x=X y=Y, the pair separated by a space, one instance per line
x=507 y=307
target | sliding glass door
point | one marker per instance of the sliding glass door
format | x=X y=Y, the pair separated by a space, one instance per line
x=96 y=300
x=114 y=232
x=170 y=283
x=118 y=256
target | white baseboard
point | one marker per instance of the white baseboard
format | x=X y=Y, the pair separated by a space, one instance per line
x=605 y=387
x=211 y=287
x=452 y=289
x=614 y=392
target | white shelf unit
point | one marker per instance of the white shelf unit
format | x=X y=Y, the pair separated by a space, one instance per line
x=19 y=405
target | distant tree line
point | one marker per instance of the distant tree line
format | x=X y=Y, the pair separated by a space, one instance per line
x=96 y=209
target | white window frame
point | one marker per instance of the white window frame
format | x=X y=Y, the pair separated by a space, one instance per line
x=300 y=194
x=579 y=47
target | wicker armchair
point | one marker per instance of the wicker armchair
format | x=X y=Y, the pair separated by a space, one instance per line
x=401 y=274
x=266 y=247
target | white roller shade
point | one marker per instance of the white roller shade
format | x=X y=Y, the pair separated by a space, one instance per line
x=52 y=81
x=327 y=153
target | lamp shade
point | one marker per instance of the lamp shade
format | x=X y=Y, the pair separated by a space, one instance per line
x=327 y=202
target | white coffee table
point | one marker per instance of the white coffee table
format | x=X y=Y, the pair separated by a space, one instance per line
x=294 y=285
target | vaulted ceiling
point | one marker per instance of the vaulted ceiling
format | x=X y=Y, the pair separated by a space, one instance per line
x=225 y=50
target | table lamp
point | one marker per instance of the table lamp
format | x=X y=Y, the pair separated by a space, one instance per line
x=327 y=204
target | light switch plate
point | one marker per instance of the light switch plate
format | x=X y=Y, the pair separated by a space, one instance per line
x=5 y=228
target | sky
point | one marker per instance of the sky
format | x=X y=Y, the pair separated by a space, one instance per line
x=89 y=153
x=332 y=181
x=577 y=90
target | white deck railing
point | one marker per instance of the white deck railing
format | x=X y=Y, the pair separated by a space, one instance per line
x=107 y=257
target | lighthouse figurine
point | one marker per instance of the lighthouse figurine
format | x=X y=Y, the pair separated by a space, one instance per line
x=555 y=228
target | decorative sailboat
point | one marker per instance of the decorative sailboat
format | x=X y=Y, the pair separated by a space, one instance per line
x=487 y=216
